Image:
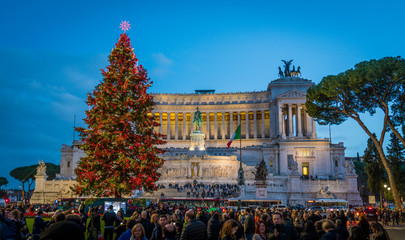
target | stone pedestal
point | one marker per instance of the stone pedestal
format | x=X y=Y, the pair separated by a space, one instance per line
x=295 y=194
x=353 y=195
x=295 y=183
x=39 y=194
x=197 y=141
x=261 y=189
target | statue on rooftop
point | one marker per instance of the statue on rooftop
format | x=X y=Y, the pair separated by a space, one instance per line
x=41 y=169
x=287 y=72
x=197 y=121
x=287 y=67
x=280 y=72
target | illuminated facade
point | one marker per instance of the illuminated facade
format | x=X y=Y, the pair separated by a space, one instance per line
x=274 y=127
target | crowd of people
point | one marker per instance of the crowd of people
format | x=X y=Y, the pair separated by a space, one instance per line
x=168 y=222
x=199 y=190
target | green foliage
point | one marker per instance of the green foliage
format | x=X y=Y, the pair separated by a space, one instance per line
x=3 y=181
x=374 y=168
x=370 y=86
x=23 y=174
x=26 y=174
x=396 y=154
x=120 y=141
x=359 y=167
x=52 y=170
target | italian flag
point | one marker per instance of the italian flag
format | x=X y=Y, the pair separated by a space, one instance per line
x=236 y=135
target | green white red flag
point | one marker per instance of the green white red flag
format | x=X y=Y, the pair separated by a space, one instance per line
x=236 y=135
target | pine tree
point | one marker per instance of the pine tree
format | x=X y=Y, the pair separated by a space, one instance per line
x=120 y=142
x=396 y=156
x=374 y=168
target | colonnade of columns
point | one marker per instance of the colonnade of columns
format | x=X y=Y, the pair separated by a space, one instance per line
x=294 y=121
x=216 y=125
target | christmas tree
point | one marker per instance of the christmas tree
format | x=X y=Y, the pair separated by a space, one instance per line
x=120 y=142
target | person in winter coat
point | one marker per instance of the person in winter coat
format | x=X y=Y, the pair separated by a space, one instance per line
x=194 y=229
x=249 y=225
x=128 y=233
x=279 y=231
x=120 y=229
x=341 y=229
x=110 y=219
x=364 y=225
x=157 y=233
x=214 y=226
x=9 y=230
x=147 y=225
x=169 y=232
x=330 y=233
x=39 y=225
x=94 y=227
x=309 y=232
x=357 y=234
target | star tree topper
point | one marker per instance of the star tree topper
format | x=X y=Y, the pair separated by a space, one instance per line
x=125 y=26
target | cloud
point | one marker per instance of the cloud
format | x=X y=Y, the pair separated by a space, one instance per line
x=40 y=94
x=162 y=65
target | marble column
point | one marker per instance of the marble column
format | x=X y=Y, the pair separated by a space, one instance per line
x=160 y=121
x=223 y=125
x=191 y=123
x=230 y=123
x=283 y=127
x=239 y=120
x=313 y=128
x=168 y=126
x=263 y=125
x=208 y=126
x=247 y=124
x=176 y=126
x=308 y=125
x=299 y=124
x=255 y=124
x=215 y=126
x=184 y=125
x=280 y=120
x=290 y=122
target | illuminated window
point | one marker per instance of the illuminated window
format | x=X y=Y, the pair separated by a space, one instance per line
x=271 y=163
x=305 y=169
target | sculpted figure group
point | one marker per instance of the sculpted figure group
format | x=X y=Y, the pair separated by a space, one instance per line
x=287 y=72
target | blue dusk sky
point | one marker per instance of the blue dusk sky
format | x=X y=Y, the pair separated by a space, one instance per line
x=51 y=53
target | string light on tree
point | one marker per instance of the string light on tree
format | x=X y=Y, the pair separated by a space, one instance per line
x=120 y=141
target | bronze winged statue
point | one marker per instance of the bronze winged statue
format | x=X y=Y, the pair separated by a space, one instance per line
x=287 y=67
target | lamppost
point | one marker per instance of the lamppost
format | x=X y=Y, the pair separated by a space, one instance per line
x=386 y=187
